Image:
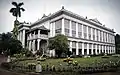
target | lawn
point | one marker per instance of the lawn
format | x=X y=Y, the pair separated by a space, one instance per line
x=83 y=62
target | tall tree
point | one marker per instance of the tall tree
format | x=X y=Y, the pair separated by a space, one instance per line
x=17 y=13
x=59 y=43
x=17 y=10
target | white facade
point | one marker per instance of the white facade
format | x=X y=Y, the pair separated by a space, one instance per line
x=86 y=36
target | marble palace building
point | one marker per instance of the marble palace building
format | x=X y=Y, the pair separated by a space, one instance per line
x=85 y=36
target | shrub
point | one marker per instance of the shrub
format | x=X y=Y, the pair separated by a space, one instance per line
x=75 y=63
x=6 y=65
x=31 y=66
x=29 y=53
x=18 y=55
x=68 y=59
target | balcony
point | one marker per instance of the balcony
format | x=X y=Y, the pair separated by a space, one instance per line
x=43 y=36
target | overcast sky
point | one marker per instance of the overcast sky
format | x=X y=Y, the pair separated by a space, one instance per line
x=106 y=11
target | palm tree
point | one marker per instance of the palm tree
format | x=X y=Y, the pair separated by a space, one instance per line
x=17 y=13
x=17 y=10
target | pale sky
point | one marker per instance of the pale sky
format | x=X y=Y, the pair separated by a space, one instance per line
x=106 y=11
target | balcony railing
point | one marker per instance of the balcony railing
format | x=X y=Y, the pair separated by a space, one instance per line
x=36 y=36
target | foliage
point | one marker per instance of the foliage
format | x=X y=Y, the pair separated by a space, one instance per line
x=17 y=10
x=117 y=43
x=17 y=13
x=59 y=43
x=10 y=45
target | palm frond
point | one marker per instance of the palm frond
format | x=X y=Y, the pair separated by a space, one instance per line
x=20 y=4
x=14 y=3
x=22 y=9
x=12 y=10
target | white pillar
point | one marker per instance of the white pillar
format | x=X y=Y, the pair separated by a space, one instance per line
x=51 y=30
x=92 y=49
x=87 y=48
x=23 y=41
x=63 y=29
x=77 y=30
x=77 y=51
x=70 y=46
x=38 y=33
x=33 y=44
x=70 y=28
x=30 y=43
x=53 y=25
x=105 y=48
x=96 y=49
x=99 y=49
x=38 y=44
x=82 y=48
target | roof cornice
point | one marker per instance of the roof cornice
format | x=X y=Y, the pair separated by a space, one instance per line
x=69 y=13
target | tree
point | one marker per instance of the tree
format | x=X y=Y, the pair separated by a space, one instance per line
x=17 y=13
x=17 y=10
x=59 y=43
x=117 y=43
x=9 y=45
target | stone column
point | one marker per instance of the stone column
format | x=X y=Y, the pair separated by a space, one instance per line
x=105 y=48
x=92 y=49
x=70 y=28
x=76 y=29
x=33 y=45
x=53 y=25
x=23 y=41
x=38 y=33
x=30 y=43
x=87 y=48
x=51 y=31
x=70 y=46
x=38 y=44
x=82 y=48
x=96 y=50
x=99 y=49
x=77 y=51
x=63 y=28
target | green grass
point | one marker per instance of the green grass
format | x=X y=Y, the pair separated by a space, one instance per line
x=83 y=62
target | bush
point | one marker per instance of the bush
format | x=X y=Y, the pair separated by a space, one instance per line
x=29 y=53
x=18 y=55
x=6 y=65
x=68 y=59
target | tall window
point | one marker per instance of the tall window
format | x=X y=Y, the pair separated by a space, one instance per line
x=85 y=45
x=80 y=45
x=97 y=35
x=103 y=37
x=73 y=29
x=89 y=33
x=93 y=34
x=73 y=44
x=58 y=27
x=67 y=26
x=106 y=36
x=85 y=31
x=79 y=30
